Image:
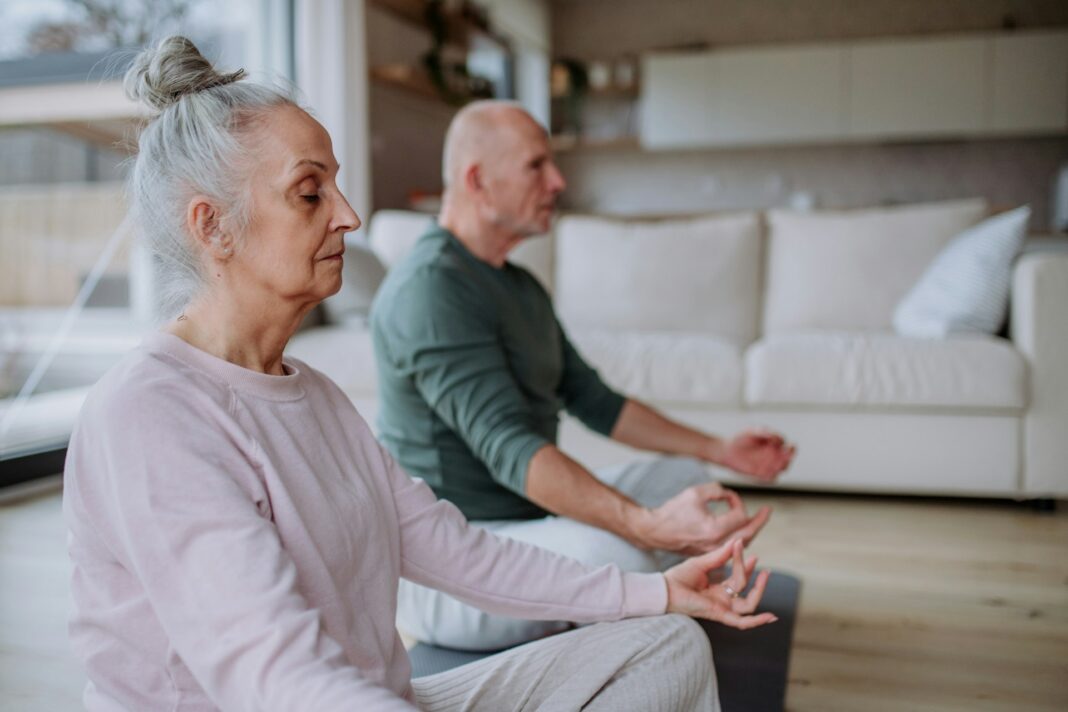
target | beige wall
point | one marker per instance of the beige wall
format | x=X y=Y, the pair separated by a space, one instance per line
x=1007 y=172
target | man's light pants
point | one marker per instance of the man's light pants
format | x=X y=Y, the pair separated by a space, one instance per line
x=434 y=617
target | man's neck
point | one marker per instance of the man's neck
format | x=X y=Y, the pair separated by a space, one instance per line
x=485 y=241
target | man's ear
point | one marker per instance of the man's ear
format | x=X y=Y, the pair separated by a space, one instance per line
x=473 y=179
x=203 y=218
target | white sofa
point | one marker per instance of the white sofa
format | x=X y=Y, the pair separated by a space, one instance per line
x=784 y=320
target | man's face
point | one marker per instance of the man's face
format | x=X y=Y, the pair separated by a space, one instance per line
x=521 y=180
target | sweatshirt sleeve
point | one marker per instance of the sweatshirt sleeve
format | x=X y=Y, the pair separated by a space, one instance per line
x=190 y=521
x=441 y=336
x=507 y=577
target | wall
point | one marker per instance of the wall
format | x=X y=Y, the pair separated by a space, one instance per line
x=1007 y=172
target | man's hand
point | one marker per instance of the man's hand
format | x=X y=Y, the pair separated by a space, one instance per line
x=761 y=454
x=690 y=593
x=686 y=525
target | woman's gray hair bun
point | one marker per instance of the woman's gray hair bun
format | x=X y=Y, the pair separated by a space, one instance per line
x=162 y=75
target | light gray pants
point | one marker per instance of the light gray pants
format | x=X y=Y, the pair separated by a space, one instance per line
x=657 y=664
x=437 y=618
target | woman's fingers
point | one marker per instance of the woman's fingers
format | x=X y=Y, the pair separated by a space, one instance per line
x=741 y=622
x=735 y=583
x=715 y=558
x=749 y=602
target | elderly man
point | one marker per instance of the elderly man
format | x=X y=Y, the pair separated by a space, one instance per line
x=474 y=370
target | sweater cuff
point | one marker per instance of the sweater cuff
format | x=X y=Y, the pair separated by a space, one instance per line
x=644 y=595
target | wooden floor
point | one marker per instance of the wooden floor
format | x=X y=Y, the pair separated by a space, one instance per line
x=906 y=605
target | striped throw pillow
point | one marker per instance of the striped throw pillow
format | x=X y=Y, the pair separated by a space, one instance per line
x=966 y=288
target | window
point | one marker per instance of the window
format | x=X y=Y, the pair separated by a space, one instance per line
x=71 y=275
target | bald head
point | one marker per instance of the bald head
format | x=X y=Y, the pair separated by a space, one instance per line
x=501 y=184
x=480 y=131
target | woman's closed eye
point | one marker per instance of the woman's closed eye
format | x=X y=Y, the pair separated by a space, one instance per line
x=312 y=198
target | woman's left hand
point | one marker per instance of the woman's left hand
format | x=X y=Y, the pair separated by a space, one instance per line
x=691 y=593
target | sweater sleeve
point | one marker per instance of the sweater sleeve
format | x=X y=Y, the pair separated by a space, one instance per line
x=507 y=577
x=175 y=480
x=441 y=336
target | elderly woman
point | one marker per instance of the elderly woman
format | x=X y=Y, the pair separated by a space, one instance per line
x=236 y=532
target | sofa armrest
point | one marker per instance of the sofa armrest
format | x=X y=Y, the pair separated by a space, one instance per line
x=1039 y=328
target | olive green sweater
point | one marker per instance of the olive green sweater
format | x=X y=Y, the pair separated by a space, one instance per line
x=473 y=372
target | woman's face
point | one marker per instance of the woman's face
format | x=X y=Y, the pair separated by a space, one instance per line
x=298 y=217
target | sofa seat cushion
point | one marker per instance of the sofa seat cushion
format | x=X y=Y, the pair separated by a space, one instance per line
x=883 y=370
x=666 y=367
x=345 y=353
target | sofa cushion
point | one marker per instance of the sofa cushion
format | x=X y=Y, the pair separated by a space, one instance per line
x=42 y=422
x=393 y=232
x=666 y=367
x=695 y=275
x=848 y=270
x=361 y=275
x=344 y=353
x=966 y=288
x=536 y=254
x=876 y=369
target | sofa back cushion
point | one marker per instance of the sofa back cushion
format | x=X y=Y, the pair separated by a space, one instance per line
x=392 y=233
x=694 y=274
x=848 y=270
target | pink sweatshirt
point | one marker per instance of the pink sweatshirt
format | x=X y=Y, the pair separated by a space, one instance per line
x=237 y=540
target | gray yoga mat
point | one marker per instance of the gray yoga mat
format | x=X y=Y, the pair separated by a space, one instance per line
x=751 y=666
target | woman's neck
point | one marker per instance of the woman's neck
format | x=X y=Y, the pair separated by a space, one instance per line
x=251 y=338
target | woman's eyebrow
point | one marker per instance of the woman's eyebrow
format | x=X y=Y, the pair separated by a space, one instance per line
x=317 y=164
x=310 y=161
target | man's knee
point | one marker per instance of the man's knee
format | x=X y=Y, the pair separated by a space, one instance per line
x=653 y=482
x=596 y=547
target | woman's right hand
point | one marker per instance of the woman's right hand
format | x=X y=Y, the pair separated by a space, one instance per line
x=691 y=593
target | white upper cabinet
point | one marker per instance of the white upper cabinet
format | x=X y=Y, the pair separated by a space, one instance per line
x=917 y=88
x=778 y=95
x=675 y=101
x=1030 y=83
x=754 y=96
x=992 y=84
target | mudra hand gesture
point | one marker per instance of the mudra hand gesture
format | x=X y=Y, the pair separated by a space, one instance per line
x=691 y=593
x=761 y=454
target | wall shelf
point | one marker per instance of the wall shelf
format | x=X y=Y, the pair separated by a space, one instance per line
x=458 y=27
x=564 y=143
x=412 y=80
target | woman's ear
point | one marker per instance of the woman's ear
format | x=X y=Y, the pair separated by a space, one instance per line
x=203 y=218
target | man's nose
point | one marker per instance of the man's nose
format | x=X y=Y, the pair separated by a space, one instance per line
x=557 y=184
